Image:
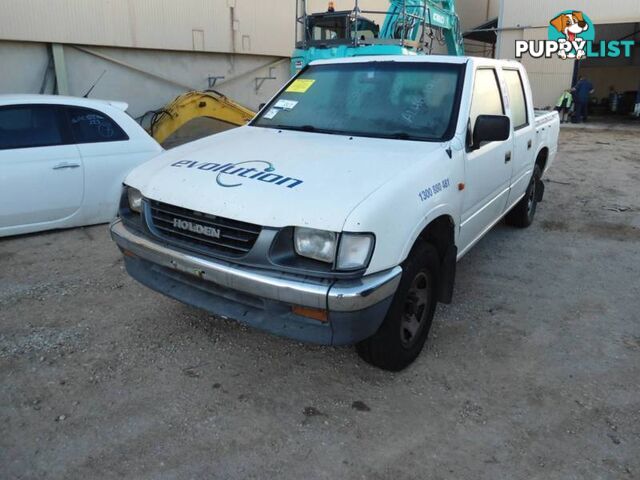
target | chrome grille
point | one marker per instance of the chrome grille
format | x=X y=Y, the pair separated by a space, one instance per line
x=201 y=230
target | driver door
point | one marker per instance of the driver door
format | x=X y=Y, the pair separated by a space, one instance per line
x=487 y=168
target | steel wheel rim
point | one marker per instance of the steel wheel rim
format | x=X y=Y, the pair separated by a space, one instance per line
x=413 y=321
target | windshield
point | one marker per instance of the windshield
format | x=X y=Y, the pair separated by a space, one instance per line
x=404 y=100
x=334 y=27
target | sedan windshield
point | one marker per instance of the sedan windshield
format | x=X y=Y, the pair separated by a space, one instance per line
x=403 y=100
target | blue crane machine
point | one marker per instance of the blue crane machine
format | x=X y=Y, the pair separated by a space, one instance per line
x=411 y=27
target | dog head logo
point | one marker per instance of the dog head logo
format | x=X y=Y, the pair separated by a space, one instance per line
x=572 y=35
x=570 y=24
x=572 y=29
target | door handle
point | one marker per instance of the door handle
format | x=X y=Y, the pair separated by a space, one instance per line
x=60 y=166
x=529 y=145
x=507 y=157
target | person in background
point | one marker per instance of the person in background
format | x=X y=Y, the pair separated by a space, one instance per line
x=564 y=104
x=581 y=92
x=613 y=99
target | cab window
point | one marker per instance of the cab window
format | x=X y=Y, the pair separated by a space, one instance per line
x=331 y=27
x=487 y=99
x=517 y=98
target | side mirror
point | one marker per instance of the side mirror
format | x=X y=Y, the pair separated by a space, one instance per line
x=490 y=128
x=261 y=106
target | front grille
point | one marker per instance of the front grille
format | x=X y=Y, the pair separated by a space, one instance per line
x=235 y=238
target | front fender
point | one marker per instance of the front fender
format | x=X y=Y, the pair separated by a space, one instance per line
x=440 y=210
x=399 y=211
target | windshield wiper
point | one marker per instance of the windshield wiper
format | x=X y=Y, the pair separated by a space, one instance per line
x=311 y=128
x=303 y=128
x=401 y=136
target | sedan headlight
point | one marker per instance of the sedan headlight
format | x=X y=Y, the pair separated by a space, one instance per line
x=355 y=251
x=317 y=244
x=135 y=199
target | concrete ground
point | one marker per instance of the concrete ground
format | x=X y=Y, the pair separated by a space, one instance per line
x=532 y=373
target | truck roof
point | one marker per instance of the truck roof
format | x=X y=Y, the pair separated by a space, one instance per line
x=417 y=58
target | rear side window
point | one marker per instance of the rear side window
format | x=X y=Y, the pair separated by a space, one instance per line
x=487 y=99
x=517 y=98
x=28 y=126
x=91 y=126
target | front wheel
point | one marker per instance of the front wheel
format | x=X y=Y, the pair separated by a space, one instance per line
x=522 y=214
x=402 y=335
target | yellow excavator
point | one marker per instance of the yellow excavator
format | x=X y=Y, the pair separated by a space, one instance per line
x=196 y=104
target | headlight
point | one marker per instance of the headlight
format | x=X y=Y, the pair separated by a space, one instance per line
x=316 y=244
x=135 y=199
x=355 y=251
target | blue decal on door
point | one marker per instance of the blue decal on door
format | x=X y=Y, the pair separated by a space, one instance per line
x=433 y=190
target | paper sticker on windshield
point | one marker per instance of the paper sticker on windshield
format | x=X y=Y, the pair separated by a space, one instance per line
x=285 y=104
x=301 y=85
x=271 y=113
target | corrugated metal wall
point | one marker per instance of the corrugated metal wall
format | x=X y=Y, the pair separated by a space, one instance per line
x=262 y=27
x=156 y=24
x=146 y=79
x=170 y=46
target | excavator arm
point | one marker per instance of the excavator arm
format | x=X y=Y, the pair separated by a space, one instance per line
x=197 y=104
x=434 y=13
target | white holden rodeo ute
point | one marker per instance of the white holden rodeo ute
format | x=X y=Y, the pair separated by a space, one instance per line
x=338 y=214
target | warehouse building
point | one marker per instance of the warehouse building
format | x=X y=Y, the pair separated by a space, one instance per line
x=479 y=22
x=492 y=28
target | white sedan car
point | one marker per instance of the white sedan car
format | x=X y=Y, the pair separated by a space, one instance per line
x=63 y=160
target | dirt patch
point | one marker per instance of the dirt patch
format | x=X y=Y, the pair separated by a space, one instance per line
x=532 y=372
x=613 y=231
x=604 y=230
x=555 y=226
x=6 y=255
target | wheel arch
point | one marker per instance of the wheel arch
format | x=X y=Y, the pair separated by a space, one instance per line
x=439 y=229
x=541 y=158
x=440 y=232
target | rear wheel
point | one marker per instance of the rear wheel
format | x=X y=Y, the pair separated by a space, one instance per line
x=522 y=214
x=402 y=335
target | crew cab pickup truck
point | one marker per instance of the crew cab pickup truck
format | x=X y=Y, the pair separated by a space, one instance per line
x=338 y=214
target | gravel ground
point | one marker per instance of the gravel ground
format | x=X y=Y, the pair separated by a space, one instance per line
x=532 y=373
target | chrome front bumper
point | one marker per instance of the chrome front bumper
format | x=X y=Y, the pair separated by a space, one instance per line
x=336 y=296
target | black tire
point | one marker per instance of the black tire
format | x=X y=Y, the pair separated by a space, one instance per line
x=402 y=335
x=522 y=214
